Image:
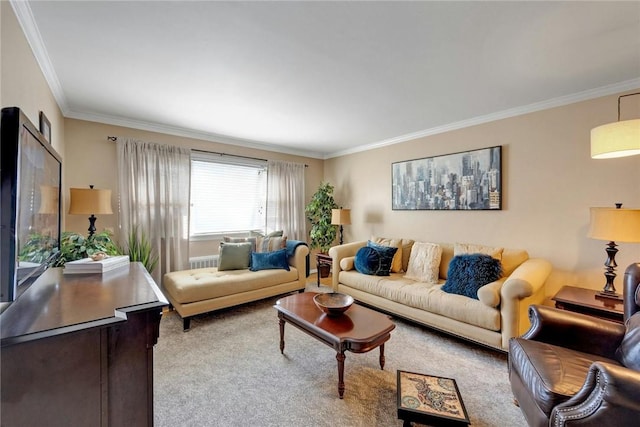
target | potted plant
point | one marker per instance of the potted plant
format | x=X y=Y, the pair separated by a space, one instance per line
x=74 y=246
x=318 y=212
x=139 y=248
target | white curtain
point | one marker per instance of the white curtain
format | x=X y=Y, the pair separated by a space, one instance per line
x=285 y=199
x=153 y=195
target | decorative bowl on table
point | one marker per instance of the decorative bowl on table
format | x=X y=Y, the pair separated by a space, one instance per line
x=333 y=304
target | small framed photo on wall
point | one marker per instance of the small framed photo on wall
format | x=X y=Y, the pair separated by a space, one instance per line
x=45 y=127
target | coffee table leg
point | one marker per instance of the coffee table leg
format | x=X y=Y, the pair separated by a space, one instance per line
x=281 y=335
x=382 y=356
x=340 y=357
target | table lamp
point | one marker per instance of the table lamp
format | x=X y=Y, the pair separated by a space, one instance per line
x=614 y=224
x=340 y=217
x=90 y=201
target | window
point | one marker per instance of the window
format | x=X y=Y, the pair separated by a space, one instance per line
x=228 y=194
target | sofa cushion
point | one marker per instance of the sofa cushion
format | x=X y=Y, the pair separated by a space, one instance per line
x=472 y=248
x=234 y=256
x=467 y=273
x=269 y=260
x=252 y=240
x=628 y=354
x=553 y=373
x=396 y=263
x=270 y=243
x=424 y=263
x=367 y=261
x=386 y=257
x=489 y=294
x=347 y=263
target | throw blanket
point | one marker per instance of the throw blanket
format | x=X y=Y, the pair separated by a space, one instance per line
x=291 y=248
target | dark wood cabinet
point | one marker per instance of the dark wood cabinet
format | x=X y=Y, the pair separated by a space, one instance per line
x=78 y=350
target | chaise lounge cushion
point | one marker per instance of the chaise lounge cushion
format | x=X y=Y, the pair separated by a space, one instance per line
x=269 y=260
x=234 y=256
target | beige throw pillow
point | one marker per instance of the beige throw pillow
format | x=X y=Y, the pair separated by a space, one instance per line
x=396 y=263
x=470 y=248
x=424 y=262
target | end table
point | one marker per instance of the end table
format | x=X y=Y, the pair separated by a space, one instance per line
x=322 y=260
x=587 y=301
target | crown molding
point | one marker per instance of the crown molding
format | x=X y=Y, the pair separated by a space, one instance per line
x=28 y=24
x=190 y=133
x=512 y=112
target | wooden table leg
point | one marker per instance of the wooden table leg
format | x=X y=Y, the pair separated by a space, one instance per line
x=382 y=359
x=281 y=335
x=340 y=357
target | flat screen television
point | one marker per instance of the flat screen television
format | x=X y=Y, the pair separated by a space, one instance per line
x=30 y=212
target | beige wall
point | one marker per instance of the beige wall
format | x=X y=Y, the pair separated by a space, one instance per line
x=21 y=80
x=549 y=183
x=91 y=159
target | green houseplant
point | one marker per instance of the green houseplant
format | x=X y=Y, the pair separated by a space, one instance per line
x=74 y=246
x=139 y=248
x=318 y=212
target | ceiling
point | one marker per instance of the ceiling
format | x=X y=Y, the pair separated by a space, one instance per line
x=326 y=78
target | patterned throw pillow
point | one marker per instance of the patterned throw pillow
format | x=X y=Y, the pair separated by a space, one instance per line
x=396 y=263
x=386 y=257
x=270 y=244
x=468 y=273
x=424 y=262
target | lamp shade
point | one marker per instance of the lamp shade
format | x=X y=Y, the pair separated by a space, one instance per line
x=340 y=216
x=618 y=139
x=90 y=201
x=48 y=199
x=619 y=225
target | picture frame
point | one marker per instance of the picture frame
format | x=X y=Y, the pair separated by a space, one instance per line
x=45 y=127
x=468 y=180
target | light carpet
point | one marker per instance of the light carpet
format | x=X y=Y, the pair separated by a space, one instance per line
x=228 y=371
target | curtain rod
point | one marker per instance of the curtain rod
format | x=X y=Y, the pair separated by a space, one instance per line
x=115 y=138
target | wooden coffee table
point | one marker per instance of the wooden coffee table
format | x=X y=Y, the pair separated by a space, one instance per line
x=358 y=330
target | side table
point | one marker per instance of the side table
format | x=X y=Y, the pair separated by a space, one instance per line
x=322 y=260
x=587 y=301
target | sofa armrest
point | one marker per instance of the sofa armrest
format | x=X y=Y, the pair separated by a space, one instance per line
x=523 y=287
x=299 y=261
x=610 y=392
x=574 y=330
x=337 y=253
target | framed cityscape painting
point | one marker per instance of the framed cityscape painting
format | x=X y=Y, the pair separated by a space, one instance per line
x=471 y=180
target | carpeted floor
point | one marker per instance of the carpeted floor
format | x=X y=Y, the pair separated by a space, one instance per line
x=228 y=371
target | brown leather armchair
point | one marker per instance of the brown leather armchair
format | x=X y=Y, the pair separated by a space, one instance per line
x=571 y=369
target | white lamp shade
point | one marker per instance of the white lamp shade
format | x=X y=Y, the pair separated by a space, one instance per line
x=617 y=139
x=340 y=216
x=611 y=224
x=90 y=201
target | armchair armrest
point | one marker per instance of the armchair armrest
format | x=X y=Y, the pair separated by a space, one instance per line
x=574 y=330
x=609 y=395
x=337 y=253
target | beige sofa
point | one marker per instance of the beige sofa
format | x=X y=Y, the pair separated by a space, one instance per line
x=491 y=321
x=202 y=290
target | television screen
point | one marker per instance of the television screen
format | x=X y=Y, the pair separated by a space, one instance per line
x=30 y=199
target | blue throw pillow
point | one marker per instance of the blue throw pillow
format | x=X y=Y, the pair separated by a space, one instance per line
x=269 y=260
x=367 y=261
x=468 y=273
x=386 y=257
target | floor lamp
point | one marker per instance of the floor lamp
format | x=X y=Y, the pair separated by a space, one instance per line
x=90 y=201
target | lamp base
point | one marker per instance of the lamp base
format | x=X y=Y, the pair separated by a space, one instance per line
x=609 y=295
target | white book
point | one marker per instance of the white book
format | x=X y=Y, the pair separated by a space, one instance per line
x=87 y=265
